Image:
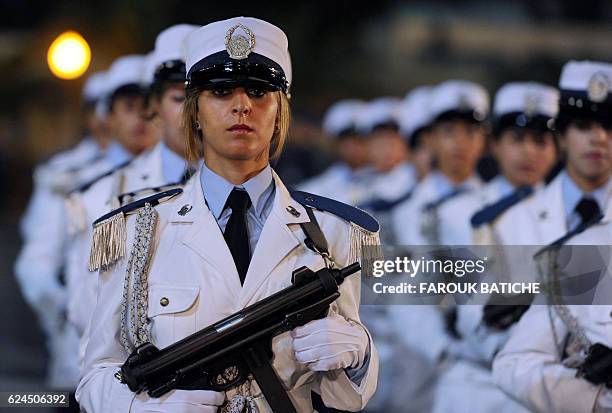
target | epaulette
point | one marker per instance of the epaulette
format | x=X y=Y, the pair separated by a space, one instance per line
x=110 y=231
x=84 y=187
x=561 y=241
x=363 y=226
x=129 y=197
x=490 y=212
x=436 y=204
x=382 y=205
x=347 y=212
x=74 y=207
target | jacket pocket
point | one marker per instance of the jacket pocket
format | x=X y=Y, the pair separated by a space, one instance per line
x=170 y=299
x=171 y=312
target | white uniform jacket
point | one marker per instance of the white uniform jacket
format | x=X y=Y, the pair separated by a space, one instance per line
x=193 y=269
x=407 y=217
x=455 y=215
x=529 y=367
x=341 y=183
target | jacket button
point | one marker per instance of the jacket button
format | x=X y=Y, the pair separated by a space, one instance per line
x=164 y=302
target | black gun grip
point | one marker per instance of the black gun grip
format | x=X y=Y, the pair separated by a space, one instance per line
x=259 y=361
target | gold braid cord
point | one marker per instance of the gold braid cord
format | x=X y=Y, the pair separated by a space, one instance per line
x=134 y=307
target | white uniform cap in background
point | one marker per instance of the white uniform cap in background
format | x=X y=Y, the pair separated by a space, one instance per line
x=459 y=97
x=252 y=46
x=167 y=60
x=525 y=105
x=579 y=76
x=126 y=70
x=341 y=117
x=530 y=98
x=169 y=43
x=382 y=111
x=585 y=90
x=414 y=113
x=95 y=87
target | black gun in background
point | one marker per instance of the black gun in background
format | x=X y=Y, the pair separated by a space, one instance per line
x=223 y=355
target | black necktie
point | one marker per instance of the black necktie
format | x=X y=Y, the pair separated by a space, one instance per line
x=236 y=234
x=587 y=209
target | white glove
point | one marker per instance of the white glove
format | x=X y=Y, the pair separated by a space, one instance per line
x=330 y=343
x=180 y=401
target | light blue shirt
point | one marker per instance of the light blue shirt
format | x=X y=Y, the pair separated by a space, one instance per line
x=116 y=154
x=572 y=195
x=173 y=165
x=261 y=192
x=504 y=186
x=444 y=186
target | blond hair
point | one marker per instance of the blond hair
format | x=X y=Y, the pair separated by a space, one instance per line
x=195 y=148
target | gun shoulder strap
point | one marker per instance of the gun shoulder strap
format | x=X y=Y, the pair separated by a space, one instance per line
x=315 y=239
x=258 y=361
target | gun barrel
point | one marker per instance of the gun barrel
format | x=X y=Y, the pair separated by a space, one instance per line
x=350 y=269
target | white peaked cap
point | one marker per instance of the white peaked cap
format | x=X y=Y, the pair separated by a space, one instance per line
x=342 y=116
x=531 y=98
x=459 y=96
x=414 y=111
x=169 y=44
x=377 y=112
x=250 y=35
x=169 y=47
x=585 y=91
x=95 y=86
x=124 y=71
x=578 y=75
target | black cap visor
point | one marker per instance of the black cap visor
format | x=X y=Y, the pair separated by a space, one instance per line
x=535 y=122
x=221 y=71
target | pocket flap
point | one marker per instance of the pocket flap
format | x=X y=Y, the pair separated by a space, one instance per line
x=168 y=299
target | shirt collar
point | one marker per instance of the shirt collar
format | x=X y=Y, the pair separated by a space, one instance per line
x=117 y=154
x=173 y=166
x=504 y=186
x=216 y=189
x=572 y=194
x=444 y=186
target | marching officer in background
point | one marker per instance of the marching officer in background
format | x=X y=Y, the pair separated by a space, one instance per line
x=387 y=151
x=583 y=188
x=392 y=174
x=348 y=179
x=156 y=169
x=552 y=343
x=229 y=239
x=524 y=147
x=40 y=262
x=399 y=382
x=459 y=110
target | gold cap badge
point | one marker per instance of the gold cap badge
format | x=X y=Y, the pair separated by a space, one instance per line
x=239 y=41
x=598 y=87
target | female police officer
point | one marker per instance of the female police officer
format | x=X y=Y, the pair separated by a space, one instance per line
x=230 y=239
